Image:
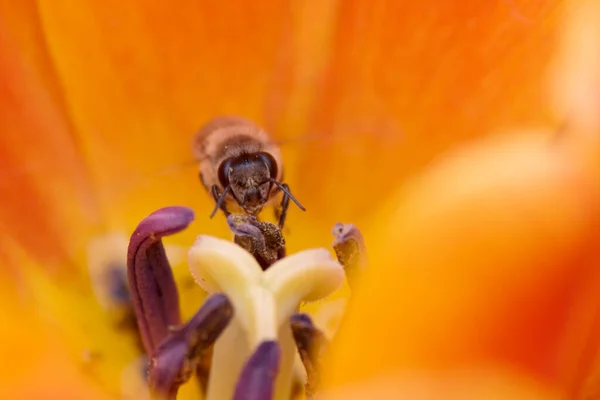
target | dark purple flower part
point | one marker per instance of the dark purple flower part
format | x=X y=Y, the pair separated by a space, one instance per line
x=153 y=291
x=263 y=240
x=116 y=279
x=350 y=250
x=257 y=379
x=247 y=226
x=311 y=343
x=179 y=355
x=203 y=365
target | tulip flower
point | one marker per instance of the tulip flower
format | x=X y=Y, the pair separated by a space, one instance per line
x=482 y=265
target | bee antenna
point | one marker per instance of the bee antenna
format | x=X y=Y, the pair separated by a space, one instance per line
x=220 y=200
x=287 y=192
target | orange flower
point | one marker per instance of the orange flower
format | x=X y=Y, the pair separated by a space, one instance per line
x=99 y=95
x=493 y=277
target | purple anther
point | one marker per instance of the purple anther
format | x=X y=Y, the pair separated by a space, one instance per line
x=257 y=380
x=311 y=344
x=179 y=355
x=246 y=225
x=153 y=291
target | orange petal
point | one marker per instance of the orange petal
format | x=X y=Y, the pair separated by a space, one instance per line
x=489 y=258
x=34 y=363
x=111 y=80
x=47 y=203
x=453 y=385
x=145 y=76
x=408 y=79
x=141 y=77
x=575 y=90
x=575 y=81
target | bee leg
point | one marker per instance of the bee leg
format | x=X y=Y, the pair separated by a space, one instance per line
x=216 y=195
x=282 y=210
x=277 y=212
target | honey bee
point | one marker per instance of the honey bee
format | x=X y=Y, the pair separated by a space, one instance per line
x=241 y=167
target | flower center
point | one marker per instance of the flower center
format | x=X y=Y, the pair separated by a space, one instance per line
x=248 y=337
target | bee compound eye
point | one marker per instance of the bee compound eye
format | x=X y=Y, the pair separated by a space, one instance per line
x=224 y=173
x=270 y=163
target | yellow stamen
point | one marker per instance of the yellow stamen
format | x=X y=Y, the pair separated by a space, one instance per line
x=263 y=302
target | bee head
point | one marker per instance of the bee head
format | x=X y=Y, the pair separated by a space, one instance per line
x=250 y=178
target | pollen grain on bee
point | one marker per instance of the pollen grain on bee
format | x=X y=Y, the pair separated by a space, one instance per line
x=263 y=240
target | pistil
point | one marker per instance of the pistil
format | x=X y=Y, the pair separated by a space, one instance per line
x=263 y=303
